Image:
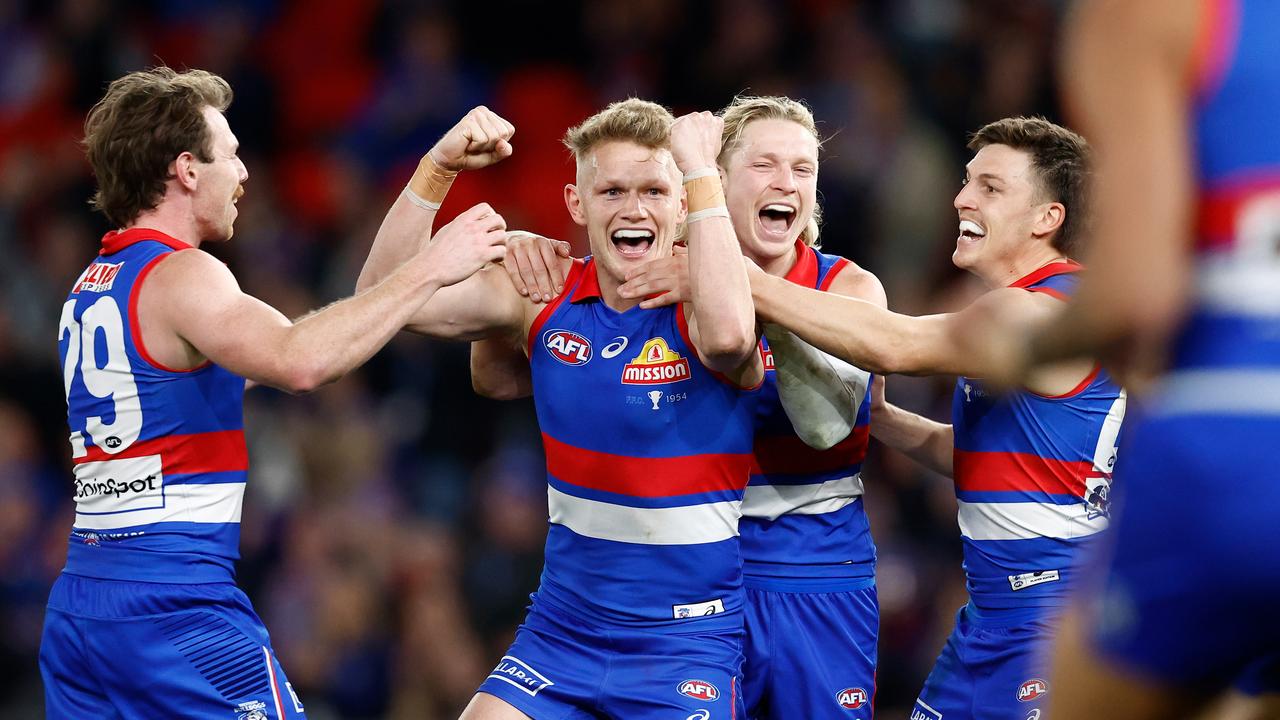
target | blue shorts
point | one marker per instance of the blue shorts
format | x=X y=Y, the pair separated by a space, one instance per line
x=114 y=649
x=990 y=669
x=562 y=667
x=1192 y=567
x=811 y=654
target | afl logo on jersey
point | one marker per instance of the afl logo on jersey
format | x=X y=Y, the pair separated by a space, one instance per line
x=1032 y=689
x=852 y=698
x=569 y=348
x=699 y=690
x=657 y=364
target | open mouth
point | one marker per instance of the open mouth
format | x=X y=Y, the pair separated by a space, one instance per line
x=632 y=242
x=970 y=230
x=776 y=218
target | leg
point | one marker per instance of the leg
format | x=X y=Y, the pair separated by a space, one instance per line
x=948 y=691
x=71 y=689
x=484 y=706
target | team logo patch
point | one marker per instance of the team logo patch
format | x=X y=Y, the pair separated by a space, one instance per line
x=568 y=347
x=657 y=364
x=699 y=690
x=1032 y=689
x=252 y=710
x=515 y=671
x=1097 y=500
x=852 y=698
x=1031 y=579
x=98 y=277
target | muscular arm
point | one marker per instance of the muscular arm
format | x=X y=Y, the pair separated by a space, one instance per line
x=499 y=371
x=1128 y=79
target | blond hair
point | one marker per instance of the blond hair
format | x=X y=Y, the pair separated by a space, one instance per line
x=145 y=120
x=632 y=120
x=746 y=109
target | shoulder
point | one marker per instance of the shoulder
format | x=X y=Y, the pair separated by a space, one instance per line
x=855 y=281
x=1014 y=303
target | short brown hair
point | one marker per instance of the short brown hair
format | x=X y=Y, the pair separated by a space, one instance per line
x=1062 y=159
x=746 y=109
x=642 y=122
x=146 y=119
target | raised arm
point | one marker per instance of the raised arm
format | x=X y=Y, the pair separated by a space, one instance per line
x=481 y=138
x=722 y=320
x=191 y=309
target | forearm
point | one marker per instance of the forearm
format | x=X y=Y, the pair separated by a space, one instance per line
x=927 y=442
x=853 y=330
x=720 y=294
x=405 y=225
x=331 y=342
x=820 y=394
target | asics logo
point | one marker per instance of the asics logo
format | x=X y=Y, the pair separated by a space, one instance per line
x=612 y=349
x=700 y=715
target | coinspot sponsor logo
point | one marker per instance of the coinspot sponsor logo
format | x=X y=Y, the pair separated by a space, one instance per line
x=1032 y=689
x=699 y=690
x=568 y=347
x=852 y=698
x=517 y=672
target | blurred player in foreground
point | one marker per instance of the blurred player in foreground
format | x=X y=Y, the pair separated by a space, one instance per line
x=809 y=560
x=1031 y=468
x=646 y=418
x=1181 y=99
x=156 y=340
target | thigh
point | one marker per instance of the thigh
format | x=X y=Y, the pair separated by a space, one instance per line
x=552 y=671
x=949 y=689
x=674 y=677
x=822 y=655
x=1011 y=671
x=72 y=687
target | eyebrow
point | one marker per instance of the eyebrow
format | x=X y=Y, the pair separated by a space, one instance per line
x=985 y=176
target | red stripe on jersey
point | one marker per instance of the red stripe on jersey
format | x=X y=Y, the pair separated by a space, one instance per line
x=1057 y=294
x=1047 y=271
x=222 y=451
x=113 y=242
x=576 y=271
x=1219 y=208
x=787 y=454
x=988 y=471
x=645 y=477
x=839 y=265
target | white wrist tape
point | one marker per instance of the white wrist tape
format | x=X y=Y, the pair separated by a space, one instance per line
x=717 y=211
x=413 y=197
x=705 y=171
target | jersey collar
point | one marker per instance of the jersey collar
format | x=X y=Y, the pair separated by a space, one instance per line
x=1047 y=271
x=115 y=241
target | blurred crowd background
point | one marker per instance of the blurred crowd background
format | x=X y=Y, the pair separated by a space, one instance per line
x=394 y=521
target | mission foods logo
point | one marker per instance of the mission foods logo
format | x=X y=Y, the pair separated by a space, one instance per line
x=569 y=348
x=656 y=364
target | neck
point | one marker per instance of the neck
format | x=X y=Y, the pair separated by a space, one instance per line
x=1021 y=266
x=779 y=265
x=171 y=220
x=609 y=292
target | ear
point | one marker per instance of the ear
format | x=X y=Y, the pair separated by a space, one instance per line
x=573 y=201
x=683 y=211
x=183 y=170
x=1051 y=218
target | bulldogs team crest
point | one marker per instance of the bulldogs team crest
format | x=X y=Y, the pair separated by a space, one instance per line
x=568 y=347
x=657 y=364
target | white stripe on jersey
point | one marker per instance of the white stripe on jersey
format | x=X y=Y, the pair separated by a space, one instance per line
x=192 y=503
x=1225 y=284
x=1027 y=520
x=1224 y=391
x=771 y=501
x=686 y=525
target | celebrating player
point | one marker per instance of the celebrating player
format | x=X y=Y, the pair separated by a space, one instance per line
x=156 y=341
x=647 y=433
x=1031 y=468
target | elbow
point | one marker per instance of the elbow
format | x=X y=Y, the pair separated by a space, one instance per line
x=727 y=351
x=495 y=391
x=303 y=378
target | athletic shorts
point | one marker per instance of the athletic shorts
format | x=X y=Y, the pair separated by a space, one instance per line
x=113 y=649
x=992 y=668
x=811 y=654
x=562 y=667
x=1191 y=572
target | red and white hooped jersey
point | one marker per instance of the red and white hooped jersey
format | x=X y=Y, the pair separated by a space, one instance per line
x=159 y=454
